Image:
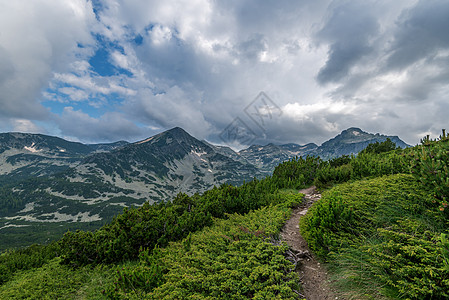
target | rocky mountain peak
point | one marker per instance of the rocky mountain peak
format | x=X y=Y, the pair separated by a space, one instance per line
x=174 y=135
x=353 y=131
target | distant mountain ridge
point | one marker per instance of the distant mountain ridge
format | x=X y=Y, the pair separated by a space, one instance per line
x=24 y=155
x=352 y=141
x=349 y=141
x=93 y=186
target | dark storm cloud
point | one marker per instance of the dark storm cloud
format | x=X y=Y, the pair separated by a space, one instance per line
x=251 y=48
x=6 y=66
x=348 y=29
x=422 y=32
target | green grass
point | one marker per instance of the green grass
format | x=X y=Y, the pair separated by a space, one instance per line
x=382 y=238
x=56 y=281
x=235 y=258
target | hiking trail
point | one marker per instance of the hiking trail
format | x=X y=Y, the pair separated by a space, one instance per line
x=313 y=276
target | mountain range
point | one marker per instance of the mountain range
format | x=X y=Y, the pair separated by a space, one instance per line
x=349 y=141
x=57 y=184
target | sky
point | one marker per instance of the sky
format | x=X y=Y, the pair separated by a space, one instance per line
x=233 y=72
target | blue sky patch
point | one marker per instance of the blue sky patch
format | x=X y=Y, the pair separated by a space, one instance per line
x=138 y=40
x=100 y=63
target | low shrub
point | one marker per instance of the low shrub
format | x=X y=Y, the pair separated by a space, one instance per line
x=386 y=231
x=235 y=258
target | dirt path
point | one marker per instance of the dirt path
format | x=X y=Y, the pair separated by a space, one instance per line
x=313 y=276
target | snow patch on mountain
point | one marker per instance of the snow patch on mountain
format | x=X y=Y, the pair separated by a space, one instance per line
x=32 y=148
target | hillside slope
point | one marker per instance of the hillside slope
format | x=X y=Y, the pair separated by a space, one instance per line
x=26 y=155
x=386 y=237
x=97 y=184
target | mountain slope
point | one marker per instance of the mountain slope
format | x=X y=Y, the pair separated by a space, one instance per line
x=349 y=141
x=352 y=141
x=24 y=155
x=97 y=186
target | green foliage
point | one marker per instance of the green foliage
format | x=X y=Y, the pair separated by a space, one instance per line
x=386 y=231
x=332 y=215
x=135 y=228
x=141 y=278
x=365 y=164
x=430 y=167
x=412 y=263
x=340 y=161
x=33 y=256
x=328 y=175
x=444 y=245
x=297 y=173
x=237 y=247
x=233 y=259
x=380 y=147
x=159 y=224
x=56 y=281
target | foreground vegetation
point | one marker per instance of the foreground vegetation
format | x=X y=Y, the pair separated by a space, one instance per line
x=234 y=258
x=223 y=236
x=383 y=236
x=386 y=236
x=381 y=226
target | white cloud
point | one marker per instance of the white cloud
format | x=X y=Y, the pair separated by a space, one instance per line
x=23 y=125
x=37 y=38
x=88 y=129
x=92 y=84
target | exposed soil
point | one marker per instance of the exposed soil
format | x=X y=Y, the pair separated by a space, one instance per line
x=313 y=276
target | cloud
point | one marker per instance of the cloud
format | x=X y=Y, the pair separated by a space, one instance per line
x=133 y=68
x=22 y=125
x=205 y=71
x=421 y=34
x=349 y=30
x=174 y=107
x=201 y=72
x=31 y=47
x=111 y=126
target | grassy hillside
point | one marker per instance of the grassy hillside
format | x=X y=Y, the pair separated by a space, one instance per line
x=382 y=237
x=381 y=226
x=386 y=236
x=234 y=258
x=142 y=246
